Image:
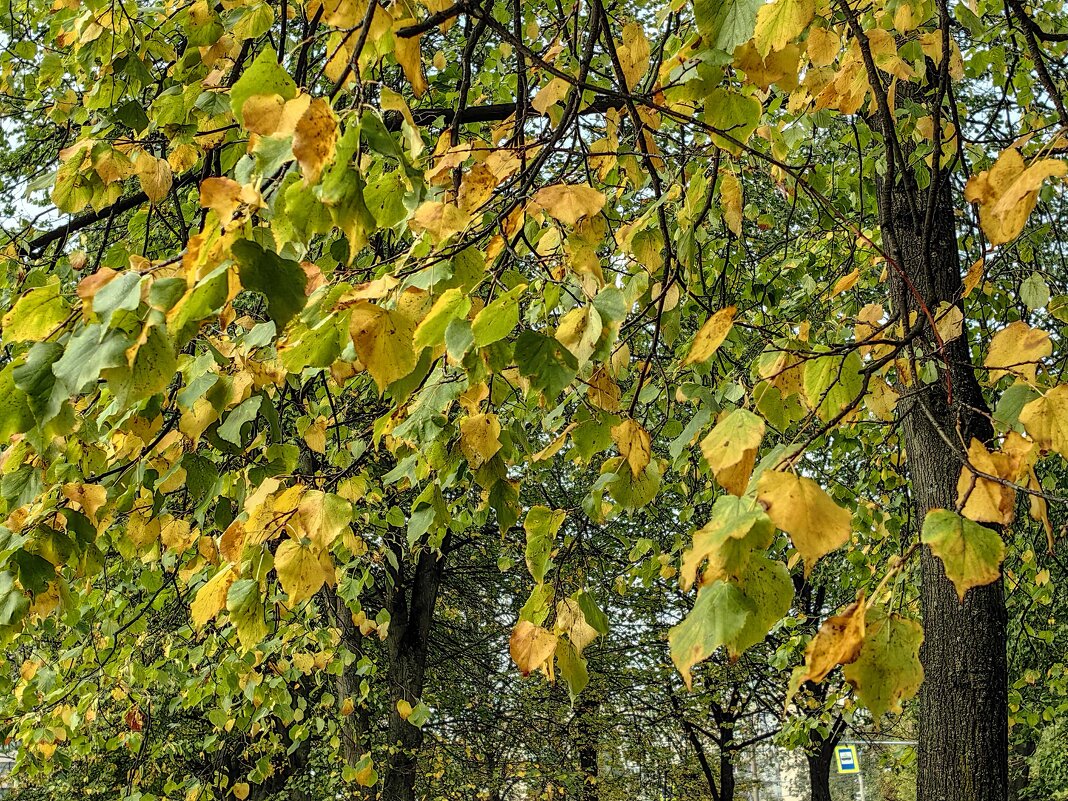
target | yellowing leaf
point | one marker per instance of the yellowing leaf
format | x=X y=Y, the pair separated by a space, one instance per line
x=531 y=648
x=383 y=341
x=1008 y=191
x=315 y=435
x=730 y=198
x=731 y=447
x=838 y=642
x=949 y=321
x=1017 y=349
x=798 y=506
x=845 y=283
x=971 y=554
x=634 y=444
x=780 y=22
x=480 y=438
x=973 y=277
x=888 y=670
x=634 y=53
x=822 y=46
x=571 y=621
x=300 y=570
x=241 y=791
x=983 y=499
x=404 y=709
x=550 y=94
x=155 y=176
x=711 y=335
x=1046 y=420
x=410 y=57
x=314 y=139
x=579 y=331
x=569 y=203
x=211 y=597
x=738 y=528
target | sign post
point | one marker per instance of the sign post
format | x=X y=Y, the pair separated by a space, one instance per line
x=849 y=762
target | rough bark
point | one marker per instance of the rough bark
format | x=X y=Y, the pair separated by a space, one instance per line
x=587 y=738
x=963 y=741
x=819 y=760
x=411 y=607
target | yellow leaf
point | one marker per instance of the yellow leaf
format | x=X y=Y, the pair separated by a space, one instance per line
x=982 y=499
x=633 y=53
x=300 y=570
x=711 y=335
x=410 y=58
x=571 y=621
x=404 y=709
x=730 y=198
x=154 y=175
x=1008 y=192
x=1017 y=349
x=440 y=220
x=211 y=597
x=480 y=438
x=176 y=534
x=383 y=341
x=550 y=94
x=90 y=498
x=634 y=444
x=780 y=22
x=949 y=321
x=579 y=331
x=314 y=139
x=731 y=448
x=822 y=46
x=1046 y=420
x=241 y=791
x=845 y=283
x=798 y=506
x=315 y=435
x=973 y=277
x=602 y=391
x=838 y=642
x=569 y=203
x=531 y=648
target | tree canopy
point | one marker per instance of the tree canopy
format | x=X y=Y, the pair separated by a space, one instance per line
x=376 y=374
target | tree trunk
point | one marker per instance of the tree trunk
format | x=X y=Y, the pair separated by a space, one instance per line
x=411 y=615
x=587 y=737
x=963 y=734
x=819 y=761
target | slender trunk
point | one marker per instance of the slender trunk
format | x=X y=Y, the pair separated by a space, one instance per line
x=587 y=736
x=726 y=772
x=411 y=614
x=963 y=733
x=695 y=743
x=355 y=727
x=819 y=761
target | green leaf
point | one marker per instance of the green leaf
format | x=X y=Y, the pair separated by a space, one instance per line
x=832 y=383
x=572 y=667
x=246 y=609
x=13 y=602
x=281 y=281
x=888 y=670
x=738 y=527
x=547 y=363
x=87 y=354
x=541 y=525
x=767 y=584
x=263 y=77
x=245 y=412
x=718 y=616
x=452 y=304
x=1034 y=292
x=16 y=415
x=36 y=314
x=971 y=554
x=725 y=24
x=497 y=320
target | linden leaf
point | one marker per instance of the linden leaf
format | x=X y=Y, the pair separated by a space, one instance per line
x=1046 y=420
x=888 y=669
x=315 y=138
x=1017 y=349
x=531 y=648
x=263 y=77
x=731 y=447
x=838 y=642
x=36 y=314
x=971 y=554
x=780 y=22
x=711 y=335
x=300 y=570
x=541 y=525
x=798 y=506
x=725 y=25
x=241 y=791
x=739 y=526
x=211 y=597
x=569 y=203
x=634 y=444
x=730 y=198
x=634 y=53
x=719 y=615
x=154 y=175
x=1008 y=192
x=383 y=341
x=983 y=499
x=480 y=438
x=497 y=320
x=571 y=621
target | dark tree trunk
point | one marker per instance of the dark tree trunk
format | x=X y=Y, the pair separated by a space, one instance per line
x=726 y=772
x=963 y=740
x=587 y=741
x=411 y=610
x=819 y=760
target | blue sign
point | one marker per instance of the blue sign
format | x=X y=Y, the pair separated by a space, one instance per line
x=846 y=755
